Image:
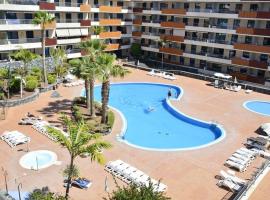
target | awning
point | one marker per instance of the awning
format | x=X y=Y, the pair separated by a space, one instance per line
x=62 y=33
x=84 y=31
x=75 y=32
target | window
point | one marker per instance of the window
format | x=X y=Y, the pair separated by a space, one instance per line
x=220 y=37
x=29 y=34
x=267 y=24
x=57 y=16
x=248 y=39
x=251 y=24
x=96 y=2
x=208 y=6
x=196 y=22
x=79 y=1
x=197 y=6
x=234 y=38
x=12 y=35
x=185 y=21
x=253 y=7
x=245 y=54
x=264 y=57
x=80 y=15
x=222 y=23
x=193 y=48
x=266 y=41
x=28 y=15
x=243 y=70
x=236 y=23
x=261 y=73
x=68 y=17
x=11 y=16
x=192 y=62
x=238 y=7
x=186 y=6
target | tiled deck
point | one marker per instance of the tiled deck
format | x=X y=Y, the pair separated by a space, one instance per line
x=188 y=174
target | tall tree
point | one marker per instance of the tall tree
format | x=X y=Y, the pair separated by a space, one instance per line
x=59 y=58
x=42 y=18
x=25 y=56
x=108 y=67
x=93 y=49
x=79 y=142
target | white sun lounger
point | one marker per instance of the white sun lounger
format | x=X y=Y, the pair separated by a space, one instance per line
x=252 y=152
x=237 y=160
x=245 y=154
x=241 y=157
x=235 y=179
x=14 y=138
x=227 y=183
x=152 y=72
x=169 y=76
x=235 y=165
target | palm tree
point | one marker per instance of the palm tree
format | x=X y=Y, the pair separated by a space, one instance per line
x=42 y=18
x=98 y=29
x=93 y=48
x=25 y=56
x=162 y=43
x=108 y=67
x=59 y=58
x=79 y=143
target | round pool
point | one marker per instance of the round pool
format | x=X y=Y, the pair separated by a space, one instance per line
x=152 y=123
x=38 y=159
x=259 y=107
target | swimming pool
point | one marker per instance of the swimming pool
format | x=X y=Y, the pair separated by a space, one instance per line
x=259 y=107
x=38 y=159
x=152 y=123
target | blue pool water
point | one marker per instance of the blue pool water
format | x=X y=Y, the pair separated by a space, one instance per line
x=152 y=123
x=260 y=107
x=38 y=159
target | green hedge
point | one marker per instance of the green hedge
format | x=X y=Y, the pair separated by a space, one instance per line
x=51 y=78
x=110 y=118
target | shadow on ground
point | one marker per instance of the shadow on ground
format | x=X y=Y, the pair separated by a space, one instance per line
x=59 y=106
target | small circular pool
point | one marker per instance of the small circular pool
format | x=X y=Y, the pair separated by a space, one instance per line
x=259 y=107
x=38 y=159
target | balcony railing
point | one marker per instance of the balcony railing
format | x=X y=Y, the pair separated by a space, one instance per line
x=16 y=21
x=68 y=20
x=25 y=2
x=210 y=40
x=213 y=11
x=67 y=4
x=20 y=41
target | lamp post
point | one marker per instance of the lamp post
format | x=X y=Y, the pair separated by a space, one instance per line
x=19 y=190
x=5 y=176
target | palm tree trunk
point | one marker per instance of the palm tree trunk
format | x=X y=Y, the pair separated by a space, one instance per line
x=69 y=176
x=105 y=90
x=43 y=57
x=92 y=104
x=162 y=61
x=86 y=85
x=21 y=86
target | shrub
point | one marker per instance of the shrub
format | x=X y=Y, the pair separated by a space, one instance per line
x=31 y=85
x=31 y=77
x=51 y=78
x=15 y=85
x=2 y=95
x=79 y=100
x=110 y=119
x=36 y=71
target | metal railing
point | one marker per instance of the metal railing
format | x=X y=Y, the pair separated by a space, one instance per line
x=212 y=10
x=209 y=40
x=68 y=20
x=67 y=4
x=16 y=21
x=20 y=41
x=193 y=72
x=24 y=2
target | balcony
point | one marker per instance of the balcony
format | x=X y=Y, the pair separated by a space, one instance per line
x=246 y=77
x=112 y=47
x=85 y=22
x=50 y=41
x=46 y=6
x=215 y=43
x=173 y=25
x=110 y=22
x=110 y=9
x=253 y=31
x=170 y=50
x=136 y=34
x=137 y=10
x=174 y=11
x=15 y=44
x=248 y=62
x=85 y=8
x=254 y=14
x=67 y=4
x=110 y=35
x=173 y=38
x=252 y=47
x=137 y=22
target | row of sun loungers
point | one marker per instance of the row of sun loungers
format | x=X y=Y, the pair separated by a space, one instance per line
x=14 y=138
x=241 y=159
x=166 y=75
x=29 y=120
x=41 y=127
x=130 y=174
x=76 y=83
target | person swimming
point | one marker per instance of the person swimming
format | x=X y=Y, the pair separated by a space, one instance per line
x=170 y=93
x=150 y=109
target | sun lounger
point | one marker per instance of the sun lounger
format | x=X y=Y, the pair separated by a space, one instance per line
x=152 y=73
x=248 y=91
x=82 y=183
x=239 y=161
x=241 y=157
x=227 y=183
x=238 y=88
x=235 y=165
x=14 y=138
x=249 y=151
x=169 y=76
x=255 y=145
x=235 y=179
x=245 y=154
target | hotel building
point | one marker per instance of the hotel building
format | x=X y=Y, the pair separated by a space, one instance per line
x=206 y=36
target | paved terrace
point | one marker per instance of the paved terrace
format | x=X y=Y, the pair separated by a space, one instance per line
x=188 y=174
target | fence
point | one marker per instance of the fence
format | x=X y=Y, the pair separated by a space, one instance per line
x=194 y=73
x=16 y=102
